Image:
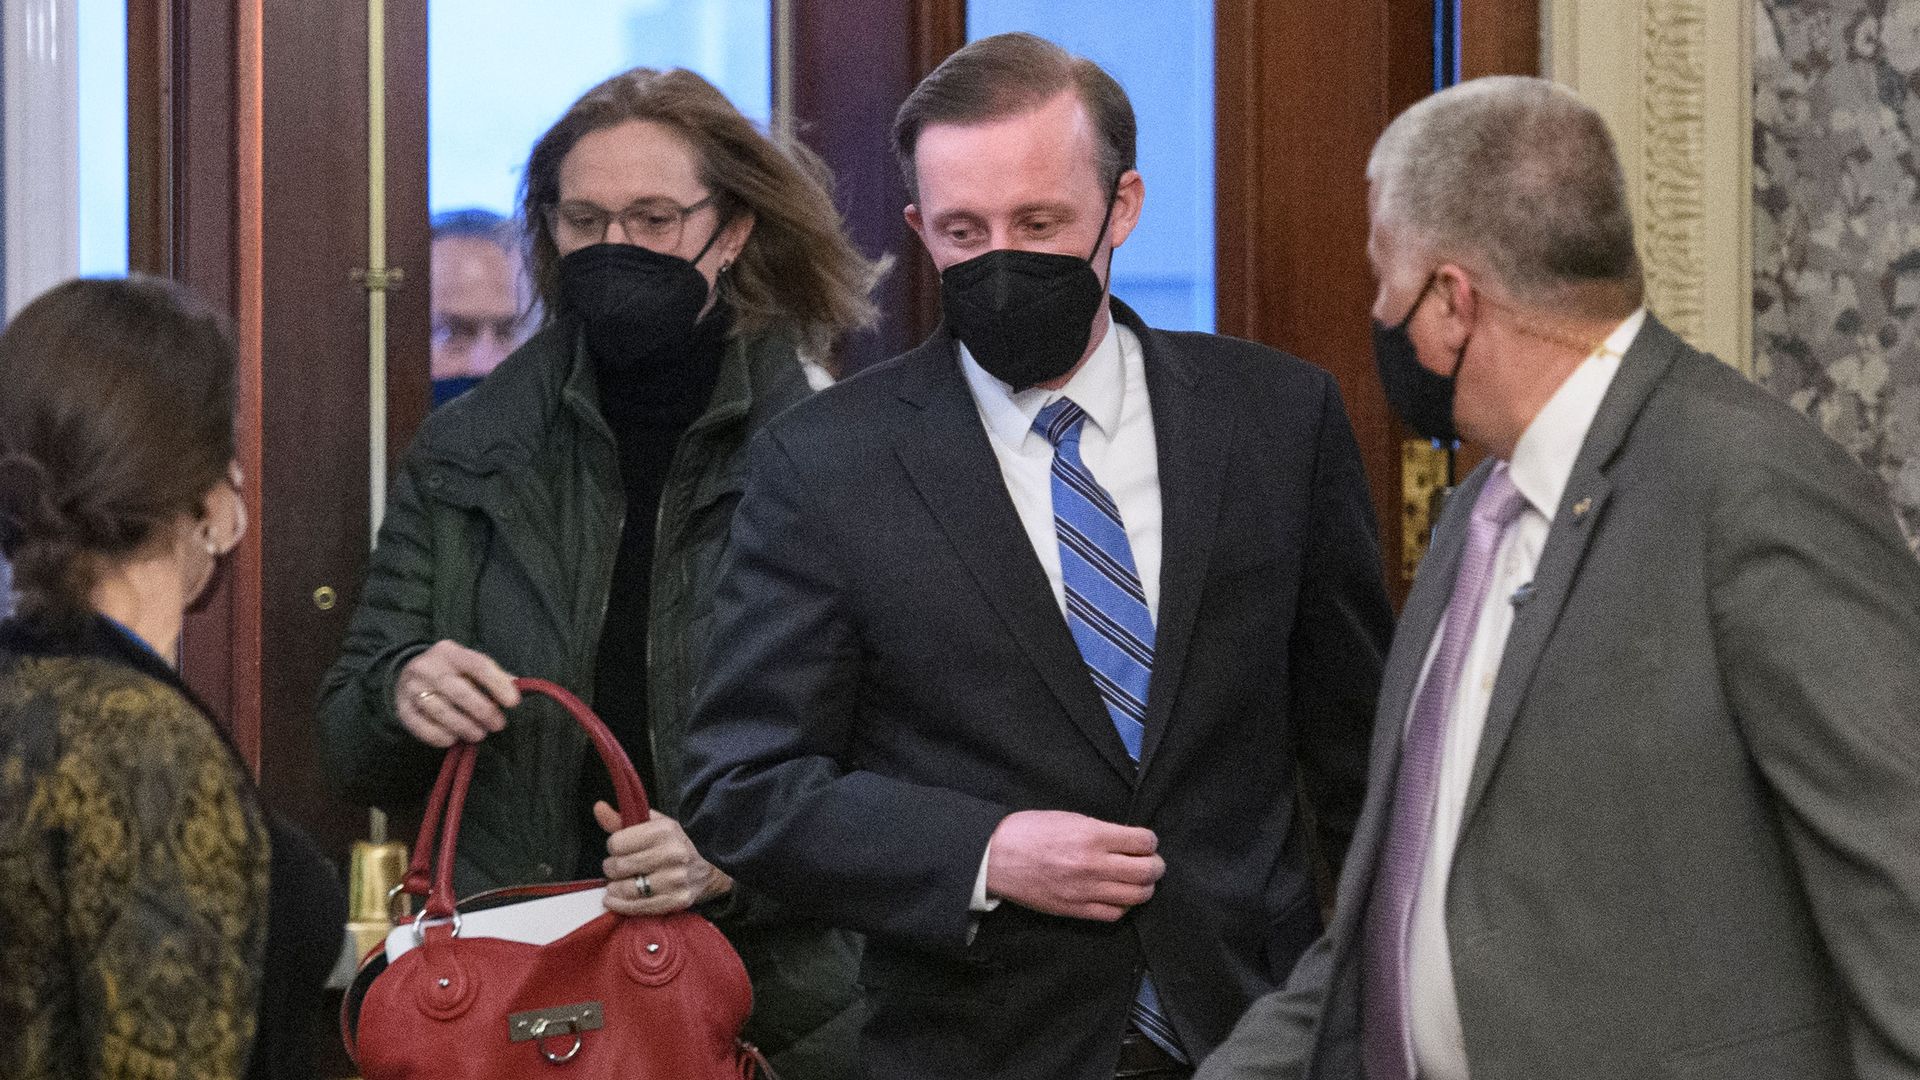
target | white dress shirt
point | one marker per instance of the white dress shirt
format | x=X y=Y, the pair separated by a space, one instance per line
x=1116 y=444
x=1541 y=466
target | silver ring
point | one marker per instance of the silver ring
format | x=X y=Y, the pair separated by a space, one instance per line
x=640 y=882
x=425 y=696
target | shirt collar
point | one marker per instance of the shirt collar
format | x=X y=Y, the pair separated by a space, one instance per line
x=1099 y=388
x=1543 y=459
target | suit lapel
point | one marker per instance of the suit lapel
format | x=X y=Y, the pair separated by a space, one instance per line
x=1191 y=435
x=947 y=455
x=1576 y=520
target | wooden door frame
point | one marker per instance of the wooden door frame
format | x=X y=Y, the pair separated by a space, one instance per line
x=1294 y=129
x=194 y=122
x=247 y=181
x=880 y=49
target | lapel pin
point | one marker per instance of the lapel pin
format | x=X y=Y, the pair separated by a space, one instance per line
x=1521 y=595
x=1580 y=508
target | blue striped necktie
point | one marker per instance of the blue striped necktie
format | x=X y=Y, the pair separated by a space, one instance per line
x=1107 y=613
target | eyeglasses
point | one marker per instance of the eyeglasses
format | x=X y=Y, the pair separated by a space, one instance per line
x=655 y=224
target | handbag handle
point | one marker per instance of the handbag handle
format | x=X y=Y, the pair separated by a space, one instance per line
x=441 y=821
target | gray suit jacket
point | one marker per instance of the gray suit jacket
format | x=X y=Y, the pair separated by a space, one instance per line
x=1691 y=844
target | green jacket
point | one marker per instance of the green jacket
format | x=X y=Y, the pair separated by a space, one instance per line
x=501 y=533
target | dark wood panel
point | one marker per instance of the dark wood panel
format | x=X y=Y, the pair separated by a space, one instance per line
x=150 y=96
x=1303 y=89
x=248 y=238
x=409 y=321
x=854 y=63
x=187 y=68
x=1499 y=37
x=313 y=339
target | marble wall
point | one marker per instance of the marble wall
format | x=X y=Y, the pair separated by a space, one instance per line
x=1836 y=220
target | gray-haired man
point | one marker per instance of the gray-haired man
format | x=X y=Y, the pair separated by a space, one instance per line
x=1646 y=774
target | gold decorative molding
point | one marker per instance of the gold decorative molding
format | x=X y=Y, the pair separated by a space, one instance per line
x=1669 y=212
x=1674 y=80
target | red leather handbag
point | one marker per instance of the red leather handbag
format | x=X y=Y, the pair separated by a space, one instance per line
x=629 y=996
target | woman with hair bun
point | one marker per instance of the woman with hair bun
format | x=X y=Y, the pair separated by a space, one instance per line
x=155 y=920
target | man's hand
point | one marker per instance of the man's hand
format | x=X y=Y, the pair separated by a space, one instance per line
x=1073 y=865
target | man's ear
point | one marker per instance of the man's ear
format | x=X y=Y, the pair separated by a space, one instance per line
x=912 y=213
x=1458 y=292
x=1130 y=195
x=1457 y=303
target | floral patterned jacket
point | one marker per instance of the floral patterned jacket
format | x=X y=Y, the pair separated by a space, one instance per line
x=134 y=866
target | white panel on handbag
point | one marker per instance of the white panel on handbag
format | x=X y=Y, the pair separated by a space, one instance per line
x=535 y=922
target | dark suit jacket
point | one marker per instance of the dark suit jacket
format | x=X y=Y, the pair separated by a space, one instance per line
x=1691 y=845
x=892 y=677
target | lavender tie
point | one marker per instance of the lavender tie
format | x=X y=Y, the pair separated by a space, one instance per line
x=1386 y=1044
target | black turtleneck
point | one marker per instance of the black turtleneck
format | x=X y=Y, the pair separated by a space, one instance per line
x=649 y=403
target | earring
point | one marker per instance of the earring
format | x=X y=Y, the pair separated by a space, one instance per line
x=726 y=265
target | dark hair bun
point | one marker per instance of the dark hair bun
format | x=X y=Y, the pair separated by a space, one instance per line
x=117 y=418
x=27 y=506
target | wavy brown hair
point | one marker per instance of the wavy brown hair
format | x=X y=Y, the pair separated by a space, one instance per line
x=116 y=417
x=798 y=270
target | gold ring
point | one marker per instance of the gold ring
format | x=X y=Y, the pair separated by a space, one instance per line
x=425 y=696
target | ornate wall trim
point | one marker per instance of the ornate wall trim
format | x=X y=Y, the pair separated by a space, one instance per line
x=1671 y=77
x=1670 y=211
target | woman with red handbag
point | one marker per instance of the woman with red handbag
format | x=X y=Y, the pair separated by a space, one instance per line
x=565 y=519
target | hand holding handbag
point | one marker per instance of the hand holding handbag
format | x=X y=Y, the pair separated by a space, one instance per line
x=632 y=996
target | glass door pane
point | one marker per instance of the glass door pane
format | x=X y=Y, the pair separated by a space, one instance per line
x=1162 y=53
x=103 y=137
x=500 y=72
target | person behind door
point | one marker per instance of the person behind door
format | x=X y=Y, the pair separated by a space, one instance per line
x=1647 y=790
x=564 y=520
x=155 y=918
x=480 y=299
x=1037 y=630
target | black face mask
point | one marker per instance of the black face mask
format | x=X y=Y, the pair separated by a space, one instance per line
x=446 y=389
x=1421 y=398
x=636 y=305
x=1026 y=316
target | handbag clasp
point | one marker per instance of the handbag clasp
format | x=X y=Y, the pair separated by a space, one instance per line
x=539 y=1025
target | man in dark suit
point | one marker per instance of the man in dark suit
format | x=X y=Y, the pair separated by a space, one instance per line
x=1646 y=774
x=1029 y=636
